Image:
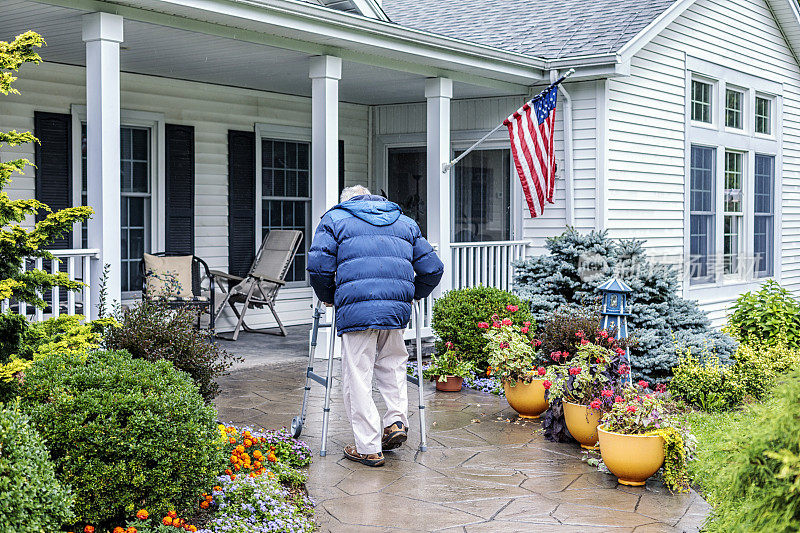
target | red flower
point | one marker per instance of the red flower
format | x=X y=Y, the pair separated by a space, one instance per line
x=596 y=404
x=643 y=384
x=546 y=384
x=620 y=351
x=611 y=340
x=648 y=396
x=507 y=322
x=584 y=342
x=88 y=529
x=555 y=355
x=512 y=308
x=496 y=324
x=624 y=369
x=604 y=334
x=631 y=408
x=541 y=371
x=661 y=387
x=536 y=342
x=565 y=354
x=574 y=371
x=580 y=333
x=503 y=345
x=607 y=393
x=524 y=329
x=526 y=324
x=483 y=325
x=448 y=345
x=619 y=399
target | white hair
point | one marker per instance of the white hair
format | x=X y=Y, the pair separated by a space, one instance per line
x=355 y=190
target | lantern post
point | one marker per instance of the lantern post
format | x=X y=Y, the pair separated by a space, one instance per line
x=614 y=311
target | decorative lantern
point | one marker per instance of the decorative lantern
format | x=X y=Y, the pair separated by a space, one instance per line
x=614 y=311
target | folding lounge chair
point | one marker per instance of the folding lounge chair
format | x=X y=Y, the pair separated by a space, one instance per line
x=261 y=284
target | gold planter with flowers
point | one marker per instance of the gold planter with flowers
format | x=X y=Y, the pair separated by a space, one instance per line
x=527 y=399
x=632 y=458
x=582 y=422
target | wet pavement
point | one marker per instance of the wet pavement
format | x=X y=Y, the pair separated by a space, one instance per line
x=485 y=470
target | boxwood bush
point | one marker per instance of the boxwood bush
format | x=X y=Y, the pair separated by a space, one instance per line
x=771 y=316
x=32 y=500
x=457 y=313
x=124 y=433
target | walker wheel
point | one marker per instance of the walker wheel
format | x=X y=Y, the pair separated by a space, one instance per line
x=297 y=427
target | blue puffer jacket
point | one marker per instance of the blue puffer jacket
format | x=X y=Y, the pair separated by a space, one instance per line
x=370 y=260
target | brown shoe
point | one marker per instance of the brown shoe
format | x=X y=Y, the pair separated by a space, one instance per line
x=394 y=436
x=372 y=459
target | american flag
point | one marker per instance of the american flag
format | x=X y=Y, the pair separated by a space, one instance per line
x=531 y=130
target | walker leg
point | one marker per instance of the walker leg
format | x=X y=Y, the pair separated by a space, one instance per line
x=423 y=443
x=298 y=421
x=326 y=408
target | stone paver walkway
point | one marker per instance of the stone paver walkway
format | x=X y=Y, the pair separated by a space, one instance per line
x=485 y=470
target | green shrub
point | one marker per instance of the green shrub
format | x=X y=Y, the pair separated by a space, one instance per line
x=151 y=330
x=770 y=315
x=750 y=469
x=712 y=386
x=456 y=316
x=12 y=329
x=31 y=499
x=124 y=433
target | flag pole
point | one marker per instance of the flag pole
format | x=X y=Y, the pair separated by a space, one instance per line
x=447 y=166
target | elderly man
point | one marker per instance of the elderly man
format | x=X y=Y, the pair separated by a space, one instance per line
x=371 y=261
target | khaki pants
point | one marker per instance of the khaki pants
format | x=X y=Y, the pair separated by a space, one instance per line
x=382 y=352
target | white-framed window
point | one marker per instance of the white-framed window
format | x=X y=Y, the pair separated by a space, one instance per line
x=734 y=108
x=763 y=115
x=141 y=188
x=283 y=185
x=732 y=169
x=701 y=101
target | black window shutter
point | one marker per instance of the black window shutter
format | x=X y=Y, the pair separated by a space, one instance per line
x=341 y=166
x=179 y=153
x=53 y=160
x=241 y=201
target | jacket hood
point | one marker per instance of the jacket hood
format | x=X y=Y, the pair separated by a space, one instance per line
x=373 y=209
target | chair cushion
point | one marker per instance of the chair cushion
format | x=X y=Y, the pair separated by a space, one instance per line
x=168 y=276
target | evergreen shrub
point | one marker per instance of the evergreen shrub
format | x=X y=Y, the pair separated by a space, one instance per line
x=660 y=320
x=457 y=313
x=32 y=500
x=771 y=315
x=124 y=433
x=151 y=330
x=751 y=473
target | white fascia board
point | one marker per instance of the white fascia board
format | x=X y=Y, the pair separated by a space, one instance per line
x=649 y=32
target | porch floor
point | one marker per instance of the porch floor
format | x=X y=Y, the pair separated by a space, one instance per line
x=485 y=470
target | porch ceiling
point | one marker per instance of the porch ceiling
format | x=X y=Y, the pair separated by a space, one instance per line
x=176 y=53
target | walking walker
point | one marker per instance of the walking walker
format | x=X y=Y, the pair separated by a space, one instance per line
x=327 y=381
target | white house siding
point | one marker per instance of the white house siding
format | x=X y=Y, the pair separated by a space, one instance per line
x=645 y=182
x=472 y=118
x=212 y=110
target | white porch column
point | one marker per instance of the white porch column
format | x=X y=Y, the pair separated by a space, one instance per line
x=102 y=33
x=325 y=73
x=438 y=92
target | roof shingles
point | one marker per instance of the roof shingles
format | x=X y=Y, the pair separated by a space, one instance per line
x=550 y=29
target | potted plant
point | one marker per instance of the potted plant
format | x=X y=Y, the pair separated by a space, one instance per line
x=585 y=383
x=638 y=436
x=512 y=358
x=448 y=370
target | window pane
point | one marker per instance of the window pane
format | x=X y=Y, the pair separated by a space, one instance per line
x=763 y=222
x=135 y=219
x=733 y=182
x=701 y=101
x=407 y=183
x=733 y=109
x=285 y=172
x=701 y=207
x=482 y=189
x=763 y=115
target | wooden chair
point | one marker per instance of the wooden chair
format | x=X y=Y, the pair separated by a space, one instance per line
x=195 y=299
x=261 y=284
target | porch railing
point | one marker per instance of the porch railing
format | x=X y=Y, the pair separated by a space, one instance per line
x=485 y=263
x=77 y=265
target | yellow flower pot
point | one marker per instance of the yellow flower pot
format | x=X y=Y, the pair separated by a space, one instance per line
x=582 y=422
x=527 y=399
x=632 y=458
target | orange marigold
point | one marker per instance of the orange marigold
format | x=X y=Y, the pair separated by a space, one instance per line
x=142 y=514
x=178 y=523
x=271 y=457
x=229 y=471
x=119 y=530
x=131 y=530
x=88 y=529
x=247 y=443
x=172 y=514
x=209 y=498
x=204 y=504
x=167 y=520
x=233 y=477
x=217 y=487
x=232 y=440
